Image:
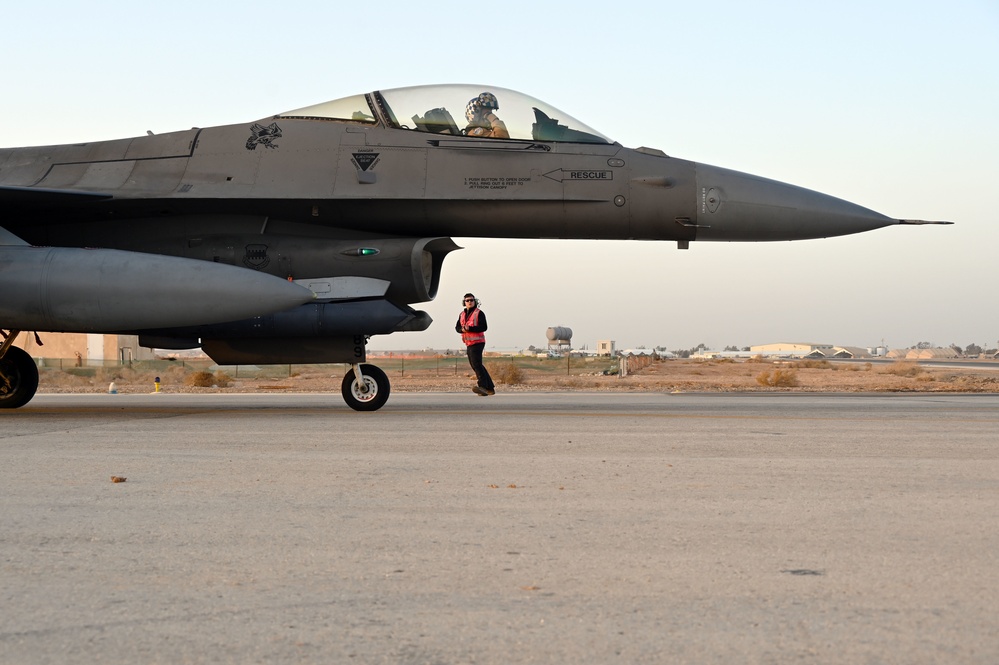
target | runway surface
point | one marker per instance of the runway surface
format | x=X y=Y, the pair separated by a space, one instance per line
x=520 y=528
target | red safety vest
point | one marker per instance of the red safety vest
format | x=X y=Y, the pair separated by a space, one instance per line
x=470 y=338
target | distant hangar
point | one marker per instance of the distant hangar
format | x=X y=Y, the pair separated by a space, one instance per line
x=810 y=350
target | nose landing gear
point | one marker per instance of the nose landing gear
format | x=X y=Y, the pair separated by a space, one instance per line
x=365 y=388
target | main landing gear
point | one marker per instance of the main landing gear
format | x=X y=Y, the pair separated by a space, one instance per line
x=365 y=388
x=18 y=374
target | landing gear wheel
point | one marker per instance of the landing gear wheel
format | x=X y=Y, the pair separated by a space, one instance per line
x=18 y=378
x=369 y=394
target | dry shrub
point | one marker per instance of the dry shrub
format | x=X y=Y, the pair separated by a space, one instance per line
x=507 y=373
x=63 y=379
x=903 y=368
x=814 y=364
x=175 y=371
x=974 y=384
x=778 y=378
x=575 y=383
x=112 y=373
x=205 y=379
x=223 y=380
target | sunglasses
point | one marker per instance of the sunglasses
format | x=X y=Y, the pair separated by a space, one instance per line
x=469 y=300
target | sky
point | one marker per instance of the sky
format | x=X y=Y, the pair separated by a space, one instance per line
x=893 y=105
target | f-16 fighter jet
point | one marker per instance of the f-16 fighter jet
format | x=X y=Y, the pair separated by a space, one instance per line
x=295 y=238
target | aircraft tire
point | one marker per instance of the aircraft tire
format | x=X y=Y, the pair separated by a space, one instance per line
x=375 y=395
x=18 y=378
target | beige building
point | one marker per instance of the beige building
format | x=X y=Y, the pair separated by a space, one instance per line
x=848 y=352
x=606 y=347
x=804 y=350
x=938 y=353
x=791 y=349
x=81 y=349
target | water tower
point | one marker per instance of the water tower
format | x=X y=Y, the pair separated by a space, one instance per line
x=559 y=340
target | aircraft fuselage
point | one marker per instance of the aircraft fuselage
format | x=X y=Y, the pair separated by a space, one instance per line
x=353 y=206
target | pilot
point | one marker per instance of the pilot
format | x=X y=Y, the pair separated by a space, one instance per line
x=472 y=326
x=482 y=122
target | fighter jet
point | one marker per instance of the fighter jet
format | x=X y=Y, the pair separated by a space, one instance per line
x=295 y=238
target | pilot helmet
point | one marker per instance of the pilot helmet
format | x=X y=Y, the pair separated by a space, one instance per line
x=486 y=100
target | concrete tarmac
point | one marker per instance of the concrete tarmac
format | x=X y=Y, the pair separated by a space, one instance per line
x=520 y=528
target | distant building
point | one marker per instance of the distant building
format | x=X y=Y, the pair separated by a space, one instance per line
x=606 y=347
x=638 y=352
x=938 y=353
x=84 y=350
x=922 y=354
x=791 y=349
x=840 y=352
x=805 y=350
x=851 y=352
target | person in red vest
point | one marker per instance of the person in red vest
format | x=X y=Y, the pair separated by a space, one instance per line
x=472 y=327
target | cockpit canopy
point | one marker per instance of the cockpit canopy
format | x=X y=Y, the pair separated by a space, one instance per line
x=440 y=109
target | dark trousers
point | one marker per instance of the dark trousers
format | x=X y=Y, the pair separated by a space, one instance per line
x=475 y=360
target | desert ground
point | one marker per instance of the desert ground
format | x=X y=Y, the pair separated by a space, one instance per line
x=452 y=374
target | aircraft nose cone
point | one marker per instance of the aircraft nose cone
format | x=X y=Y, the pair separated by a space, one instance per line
x=734 y=206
